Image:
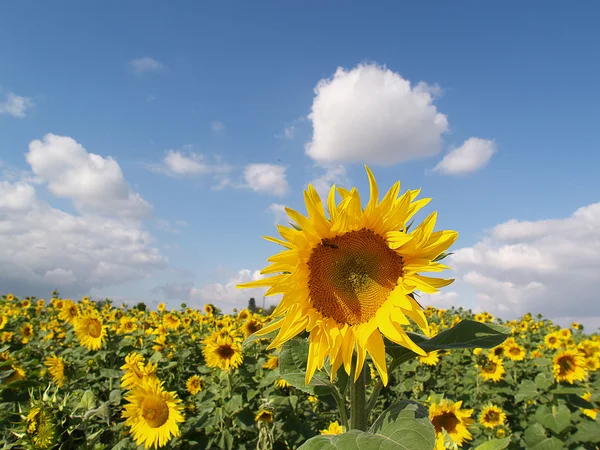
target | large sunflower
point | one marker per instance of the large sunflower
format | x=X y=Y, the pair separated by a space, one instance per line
x=89 y=330
x=569 y=366
x=348 y=277
x=449 y=416
x=152 y=413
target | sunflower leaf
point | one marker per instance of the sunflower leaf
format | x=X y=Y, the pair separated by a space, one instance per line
x=292 y=368
x=556 y=418
x=494 y=444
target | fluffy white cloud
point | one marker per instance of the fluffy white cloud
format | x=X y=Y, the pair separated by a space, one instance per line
x=44 y=248
x=188 y=163
x=224 y=295
x=94 y=184
x=547 y=266
x=15 y=105
x=373 y=115
x=474 y=154
x=266 y=178
x=442 y=299
x=333 y=175
x=217 y=125
x=146 y=64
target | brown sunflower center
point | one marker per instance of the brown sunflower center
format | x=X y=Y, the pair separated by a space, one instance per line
x=489 y=367
x=352 y=275
x=252 y=326
x=566 y=364
x=94 y=328
x=225 y=351
x=492 y=416
x=515 y=351
x=447 y=421
x=155 y=410
x=498 y=351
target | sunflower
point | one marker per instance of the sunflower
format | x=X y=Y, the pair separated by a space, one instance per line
x=333 y=428
x=272 y=363
x=592 y=364
x=492 y=369
x=26 y=332
x=348 y=278
x=569 y=366
x=243 y=314
x=251 y=326
x=40 y=428
x=89 y=330
x=515 y=352
x=565 y=334
x=194 y=384
x=479 y=317
x=25 y=303
x=264 y=415
x=152 y=413
x=281 y=383
x=492 y=416
x=127 y=325
x=223 y=352
x=449 y=416
x=56 y=367
x=431 y=359
x=161 y=307
x=591 y=413
x=209 y=309
x=576 y=325
x=10 y=297
x=69 y=311
x=3 y=320
x=136 y=371
x=172 y=321
x=552 y=340
x=498 y=351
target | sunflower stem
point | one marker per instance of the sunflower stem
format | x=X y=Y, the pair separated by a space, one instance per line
x=341 y=404
x=358 y=400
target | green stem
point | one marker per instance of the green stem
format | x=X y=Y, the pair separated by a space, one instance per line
x=341 y=404
x=358 y=400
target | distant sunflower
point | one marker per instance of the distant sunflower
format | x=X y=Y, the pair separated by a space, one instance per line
x=56 y=367
x=492 y=369
x=243 y=314
x=498 y=351
x=161 y=307
x=515 y=352
x=26 y=332
x=480 y=317
x=40 y=428
x=576 y=325
x=348 y=277
x=251 y=326
x=69 y=312
x=10 y=297
x=431 y=359
x=25 y=303
x=209 y=309
x=281 y=383
x=222 y=352
x=172 y=321
x=449 y=416
x=552 y=340
x=127 y=325
x=492 y=416
x=569 y=366
x=89 y=330
x=194 y=384
x=565 y=333
x=3 y=320
x=152 y=413
x=264 y=415
x=272 y=363
x=592 y=364
x=136 y=370
x=333 y=428
x=591 y=413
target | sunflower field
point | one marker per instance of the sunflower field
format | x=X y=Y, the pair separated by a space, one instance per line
x=91 y=375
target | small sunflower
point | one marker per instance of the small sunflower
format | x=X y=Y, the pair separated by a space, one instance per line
x=194 y=384
x=25 y=303
x=10 y=297
x=576 y=325
x=569 y=366
x=449 y=416
x=223 y=352
x=161 y=307
x=515 y=352
x=565 y=334
x=492 y=369
x=251 y=326
x=333 y=428
x=209 y=309
x=281 y=383
x=498 y=351
x=492 y=416
x=272 y=363
x=592 y=364
x=552 y=340
x=431 y=359
x=89 y=330
x=69 y=311
x=152 y=413
x=56 y=367
x=172 y=321
x=264 y=415
x=348 y=277
x=26 y=332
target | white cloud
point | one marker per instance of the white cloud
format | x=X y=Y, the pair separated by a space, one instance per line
x=442 y=299
x=546 y=266
x=94 y=184
x=372 y=115
x=473 y=155
x=15 y=105
x=44 y=248
x=279 y=215
x=217 y=126
x=333 y=175
x=267 y=178
x=179 y=163
x=224 y=295
x=144 y=65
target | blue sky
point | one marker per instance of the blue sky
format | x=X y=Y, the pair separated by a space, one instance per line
x=227 y=85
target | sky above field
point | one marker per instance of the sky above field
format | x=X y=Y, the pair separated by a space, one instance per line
x=146 y=148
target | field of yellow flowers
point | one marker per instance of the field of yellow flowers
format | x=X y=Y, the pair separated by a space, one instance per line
x=84 y=374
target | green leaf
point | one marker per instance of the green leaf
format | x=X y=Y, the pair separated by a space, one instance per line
x=401 y=427
x=292 y=368
x=542 y=382
x=527 y=391
x=587 y=431
x=155 y=358
x=556 y=419
x=494 y=444
x=122 y=444
x=535 y=437
x=87 y=401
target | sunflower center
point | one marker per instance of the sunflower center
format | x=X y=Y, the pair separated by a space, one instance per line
x=155 y=410
x=447 y=421
x=492 y=417
x=253 y=326
x=94 y=328
x=566 y=364
x=515 y=351
x=225 y=351
x=489 y=367
x=352 y=275
x=498 y=351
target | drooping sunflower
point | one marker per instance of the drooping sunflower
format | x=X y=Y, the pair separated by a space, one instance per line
x=194 y=384
x=152 y=413
x=136 y=370
x=56 y=367
x=89 y=330
x=431 y=359
x=569 y=366
x=333 y=428
x=281 y=383
x=40 y=428
x=264 y=415
x=348 y=277
x=449 y=416
x=492 y=416
x=492 y=369
x=515 y=352
x=223 y=352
